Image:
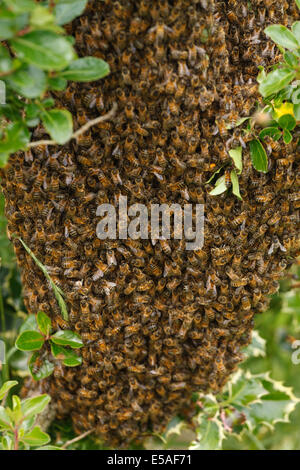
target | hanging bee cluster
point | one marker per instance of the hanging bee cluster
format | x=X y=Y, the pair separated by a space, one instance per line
x=158 y=322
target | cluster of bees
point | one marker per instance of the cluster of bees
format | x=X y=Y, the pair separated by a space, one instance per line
x=158 y=322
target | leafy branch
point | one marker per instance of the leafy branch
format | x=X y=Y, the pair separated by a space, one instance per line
x=36 y=335
x=280 y=117
x=37 y=57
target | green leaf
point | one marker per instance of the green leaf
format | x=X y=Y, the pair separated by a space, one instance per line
x=287 y=121
x=44 y=323
x=59 y=124
x=235 y=184
x=5 y=420
x=20 y=6
x=36 y=437
x=68 y=357
x=67 y=10
x=220 y=187
x=210 y=435
x=214 y=174
x=34 y=406
x=41 y=371
x=67 y=338
x=6 y=387
x=290 y=58
x=257 y=348
x=297 y=112
x=6 y=63
x=282 y=36
x=17 y=138
x=273 y=132
x=274 y=407
x=296 y=96
x=258 y=156
x=276 y=81
x=30 y=341
x=298 y=3
x=7 y=442
x=42 y=18
x=28 y=81
x=245 y=389
x=57 y=83
x=262 y=74
x=287 y=136
x=86 y=69
x=296 y=31
x=49 y=448
x=57 y=291
x=237 y=156
x=29 y=324
x=10 y=24
x=45 y=49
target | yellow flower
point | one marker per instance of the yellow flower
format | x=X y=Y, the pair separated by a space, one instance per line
x=285 y=108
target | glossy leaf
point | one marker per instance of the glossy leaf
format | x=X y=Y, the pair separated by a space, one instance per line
x=235 y=184
x=5 y=420
x=67 y=10
x=35 y=405
x=245 y=390
x=290 y=58
x=57 y=83
x=296 y=30
x=59 y=124
x=44 y=323
x=220 y=187
x=86 y=69
x=210 y=435
x=282 y=36
x=276 y=81
x=287 y=121
x=28 y=81
x=6 y=63
x=29 y=324
x=44 y=49
x=273 y=132
x=297 y=111
x=287 y=136
x=237 y=156
x=30 y=341
x=10 y=24
x=17 y=137
x=6 y=387
x=36 y=437
x=258 y=156
x=20 y=6
x=67 y=338
x=40 y=371
x=49 y=448
x=296 y=96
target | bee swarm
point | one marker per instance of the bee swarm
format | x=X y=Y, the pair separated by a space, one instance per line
x=158 y=322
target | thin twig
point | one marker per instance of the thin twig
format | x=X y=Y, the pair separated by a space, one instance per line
x=78 y=438
x=80 y=131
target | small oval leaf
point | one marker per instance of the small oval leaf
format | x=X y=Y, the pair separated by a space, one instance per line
x=276 y=81
x=258 y=156
x=86 y=69
x=30 y=341
x=282 y=36
x=67 y=338
x=59 y=124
